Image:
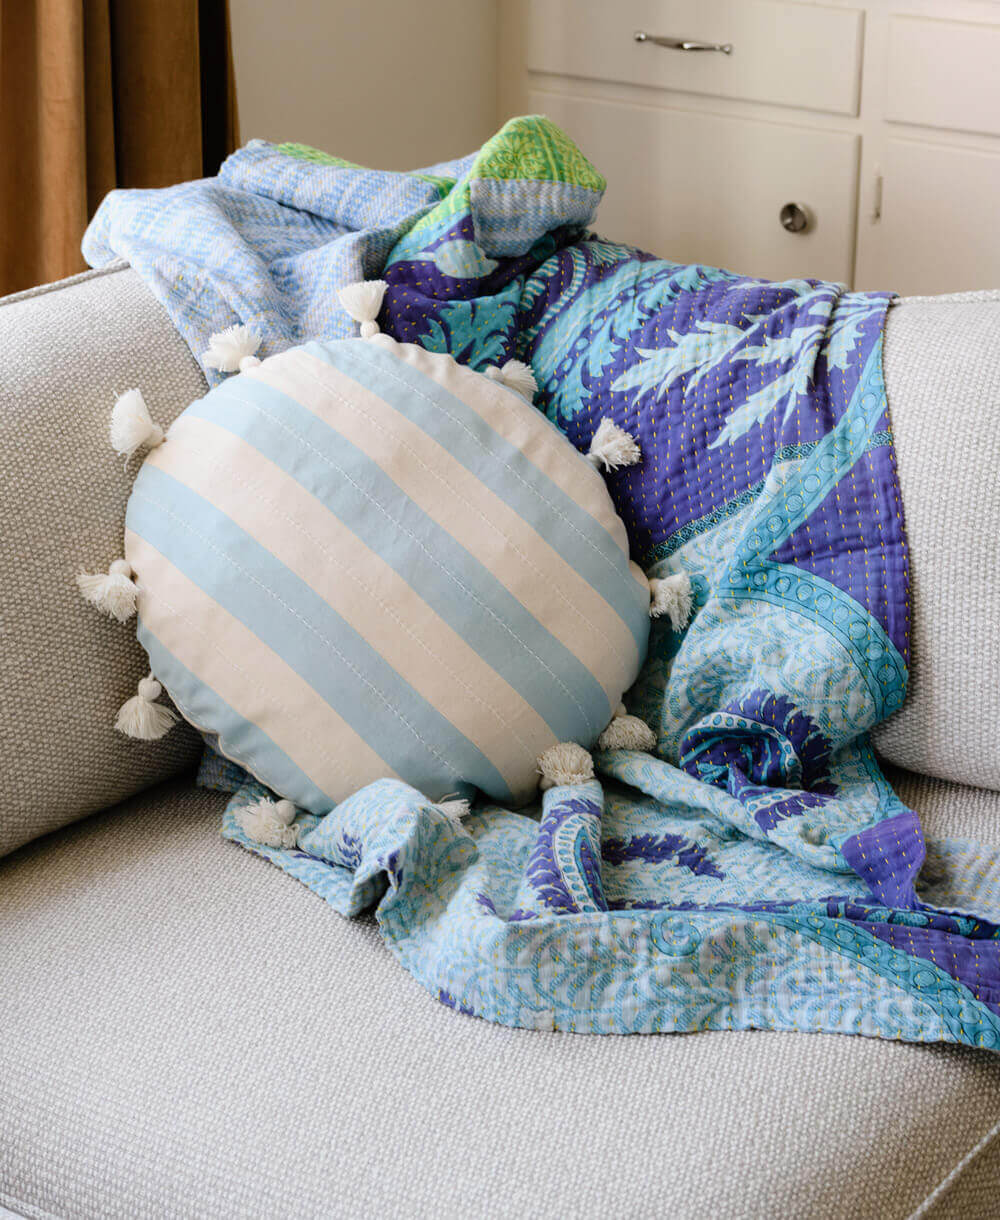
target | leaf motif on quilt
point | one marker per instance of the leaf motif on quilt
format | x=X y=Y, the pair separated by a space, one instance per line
x=653 y=849
x=604 y=303
x=476 y=332
x=695 y=351
x=846 y=329
x=798 y=351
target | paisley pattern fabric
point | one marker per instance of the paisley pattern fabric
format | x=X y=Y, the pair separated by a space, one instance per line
x=756 y=869
x=687 y=941
x=563 y=873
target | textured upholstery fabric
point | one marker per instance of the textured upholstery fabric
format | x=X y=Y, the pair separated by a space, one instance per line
x=974 y=1191
x=942 y=373
x=949 y=810
x=66 y=351
x=172 y=1046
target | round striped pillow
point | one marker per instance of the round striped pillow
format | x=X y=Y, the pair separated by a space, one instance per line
x=359 y=559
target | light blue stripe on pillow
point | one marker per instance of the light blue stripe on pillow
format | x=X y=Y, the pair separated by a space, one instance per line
x=306 y=632
x=571 y=531
x=239 y=738
x=529 y=658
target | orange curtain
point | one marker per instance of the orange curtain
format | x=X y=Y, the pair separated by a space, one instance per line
x=96 y=94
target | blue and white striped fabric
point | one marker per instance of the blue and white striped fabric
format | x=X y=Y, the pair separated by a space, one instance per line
x=362 y=560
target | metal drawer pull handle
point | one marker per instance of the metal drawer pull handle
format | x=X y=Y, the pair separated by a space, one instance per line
x=684 y=44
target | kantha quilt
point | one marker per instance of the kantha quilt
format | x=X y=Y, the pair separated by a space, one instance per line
x=756 y=869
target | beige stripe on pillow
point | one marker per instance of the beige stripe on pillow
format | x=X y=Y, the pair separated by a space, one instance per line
x=517 y=421
x=366 y=591
x=552 y=591
x=250 y=677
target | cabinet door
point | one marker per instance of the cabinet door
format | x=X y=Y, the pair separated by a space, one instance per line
x=937 y=227
x=943 y=74
x=703 y=188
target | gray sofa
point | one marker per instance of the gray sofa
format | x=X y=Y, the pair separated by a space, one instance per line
x=171 y=1047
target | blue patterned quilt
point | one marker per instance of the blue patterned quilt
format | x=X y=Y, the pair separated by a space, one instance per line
x=757 y=870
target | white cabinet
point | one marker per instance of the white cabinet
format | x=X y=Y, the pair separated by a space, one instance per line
x=938 y=228
x=881 y=118
x=595 y=39
x=709 y=188
x=944 y=74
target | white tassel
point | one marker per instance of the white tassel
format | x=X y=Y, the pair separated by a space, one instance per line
x=454 y=809
x=672 y=597
x=142 y=717
x=627 y=732
x=112 y=592
x=363 y=301
x=269 y=823
x=228 y=349
x=131 y=426
x=565 y=763
x=612 y=447
x=516 y=376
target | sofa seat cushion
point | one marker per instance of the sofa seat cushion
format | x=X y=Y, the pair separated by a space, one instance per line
x=172 y=1045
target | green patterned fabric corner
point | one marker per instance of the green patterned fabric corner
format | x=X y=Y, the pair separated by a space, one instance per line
x=533 y=149
x=530 y=148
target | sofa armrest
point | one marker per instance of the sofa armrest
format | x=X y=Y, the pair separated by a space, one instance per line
x=942 y=373
x=66 y=351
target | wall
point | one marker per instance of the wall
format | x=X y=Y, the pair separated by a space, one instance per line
x=395 y=84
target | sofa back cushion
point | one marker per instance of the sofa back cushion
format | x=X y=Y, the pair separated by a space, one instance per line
x=66 y=351
x=942 y=372
x=69 y=349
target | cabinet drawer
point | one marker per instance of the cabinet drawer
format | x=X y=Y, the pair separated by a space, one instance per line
x=944 y=74
x=938 y=223
x=785 y=54
x=695 y=187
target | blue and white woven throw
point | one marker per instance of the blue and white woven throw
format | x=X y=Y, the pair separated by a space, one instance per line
x=267 y=242
x=757 y=869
